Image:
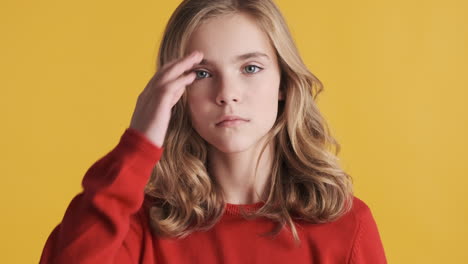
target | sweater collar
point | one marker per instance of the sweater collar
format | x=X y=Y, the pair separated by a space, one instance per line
x=234 y=209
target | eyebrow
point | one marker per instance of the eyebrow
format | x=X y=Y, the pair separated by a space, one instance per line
x=241 y=57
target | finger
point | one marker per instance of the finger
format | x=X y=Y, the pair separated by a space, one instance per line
x=180 y=67
x=161 y=77
x=162 y=71
x=181 y=82
x=178 y=86
x=170 y=64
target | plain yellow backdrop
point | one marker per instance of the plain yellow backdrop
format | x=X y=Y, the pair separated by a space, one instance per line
x=395 y=76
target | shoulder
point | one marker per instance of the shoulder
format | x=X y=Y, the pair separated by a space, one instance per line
x=360 y=209
x=363 y=216
x=345 y=230
x=360 y=216
x=367 y=244
x=359 y=212
x=335 y=240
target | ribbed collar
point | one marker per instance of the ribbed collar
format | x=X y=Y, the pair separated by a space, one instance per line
x=234 y=209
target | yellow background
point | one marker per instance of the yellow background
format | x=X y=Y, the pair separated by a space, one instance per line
x=395 y=75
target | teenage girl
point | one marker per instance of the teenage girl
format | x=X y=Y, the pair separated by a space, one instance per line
x=227 y=158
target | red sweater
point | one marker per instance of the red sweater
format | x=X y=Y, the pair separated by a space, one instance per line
x=105 y=223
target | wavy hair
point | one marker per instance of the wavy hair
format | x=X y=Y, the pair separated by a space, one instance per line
x=306 y=183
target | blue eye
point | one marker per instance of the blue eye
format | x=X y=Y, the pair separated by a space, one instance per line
x=253 y=66
x=198 y=75
x=201 y=74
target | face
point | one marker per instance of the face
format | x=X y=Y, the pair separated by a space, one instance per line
x=228 y=83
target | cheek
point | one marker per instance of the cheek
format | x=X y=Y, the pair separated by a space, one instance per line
x=199 y=88
x=265 y=100
x=194 y=99
x=268 y=82
x=198 y=109
x=197 y=93
x=266 y=91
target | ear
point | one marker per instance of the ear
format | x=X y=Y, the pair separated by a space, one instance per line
x=280 y=95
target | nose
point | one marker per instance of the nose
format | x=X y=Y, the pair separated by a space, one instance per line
x=228 y=91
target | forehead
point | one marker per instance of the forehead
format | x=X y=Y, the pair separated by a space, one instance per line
x=226 y=37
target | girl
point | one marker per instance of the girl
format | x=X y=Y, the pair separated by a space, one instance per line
x=227 y=158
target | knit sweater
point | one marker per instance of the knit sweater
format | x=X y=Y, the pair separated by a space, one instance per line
x=106 y=223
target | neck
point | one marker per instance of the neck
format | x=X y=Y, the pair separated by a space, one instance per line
x=235 y=173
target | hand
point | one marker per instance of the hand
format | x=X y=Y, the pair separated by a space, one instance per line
x=153 y=108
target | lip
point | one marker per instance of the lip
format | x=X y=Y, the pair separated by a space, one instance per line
x=231 y=123
x=231 y=118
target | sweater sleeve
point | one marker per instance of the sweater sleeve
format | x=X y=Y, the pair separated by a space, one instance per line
x=99 y=221
x=368 y=247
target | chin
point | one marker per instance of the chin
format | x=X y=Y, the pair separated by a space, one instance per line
x=231 y=145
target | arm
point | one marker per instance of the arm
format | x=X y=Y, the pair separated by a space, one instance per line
x=101 y=222
x=367 y=248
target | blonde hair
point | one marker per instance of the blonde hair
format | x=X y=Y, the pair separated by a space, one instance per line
x=306 y=183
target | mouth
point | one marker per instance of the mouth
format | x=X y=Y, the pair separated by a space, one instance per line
x=231 y=123
x=228 y=118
